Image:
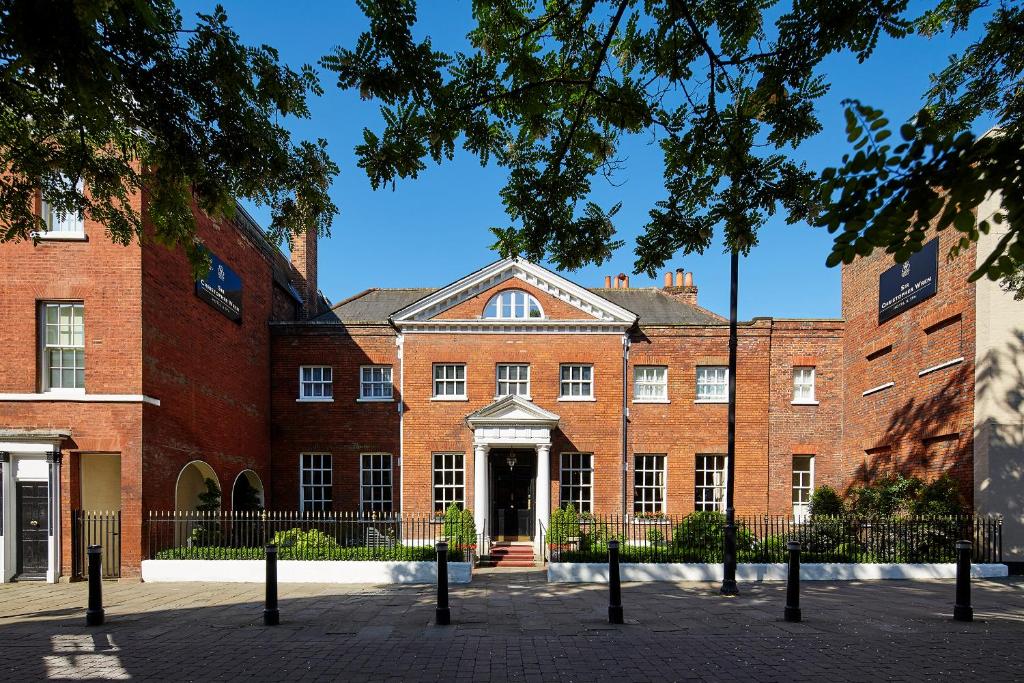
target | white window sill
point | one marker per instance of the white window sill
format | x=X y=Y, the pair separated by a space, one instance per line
x=450 y=398
x=62 y=237
x=64 y=392
x=314 y=400
x=940 y=366
x=651 y=400
x=576 y=399
x=805 y=403
x=375 y=400
x=880 y=387
x=711 y=400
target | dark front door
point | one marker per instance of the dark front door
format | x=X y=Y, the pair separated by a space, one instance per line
x=512 y=494
x=33 y=528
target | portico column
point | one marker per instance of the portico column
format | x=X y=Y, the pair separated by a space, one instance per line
x=53 y=459
x=481 y=504
x=543 y=493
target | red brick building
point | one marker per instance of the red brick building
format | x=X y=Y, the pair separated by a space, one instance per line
x=121 y=389
x=513 y=390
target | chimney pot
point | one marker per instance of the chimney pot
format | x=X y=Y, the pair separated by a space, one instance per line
x=615 y=283
x=668 y=279
x=689 y=279
x=623 y=281
x=607 y=281
x=679 y=277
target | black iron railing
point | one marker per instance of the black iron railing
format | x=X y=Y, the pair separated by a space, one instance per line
x=233 y=535
x=698 y=538
x=96 y=528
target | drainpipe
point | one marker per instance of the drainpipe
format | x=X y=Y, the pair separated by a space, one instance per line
x=400 y=343
x=625 y=416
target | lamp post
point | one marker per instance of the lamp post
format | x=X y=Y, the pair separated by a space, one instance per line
x=729 y=586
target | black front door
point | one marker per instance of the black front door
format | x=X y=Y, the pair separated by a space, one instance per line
x=33 y=528
x=512 y=494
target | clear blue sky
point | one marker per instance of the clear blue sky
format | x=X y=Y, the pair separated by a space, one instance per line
x=433 y=230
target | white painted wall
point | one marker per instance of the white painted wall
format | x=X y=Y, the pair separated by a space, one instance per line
x=565 y=572
x=999 y=399
x=301 y=571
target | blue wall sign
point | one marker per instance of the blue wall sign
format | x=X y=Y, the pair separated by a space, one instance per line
x=222 y=289
x=907 y=284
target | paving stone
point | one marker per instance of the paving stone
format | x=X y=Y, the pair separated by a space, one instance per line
x=511 y=626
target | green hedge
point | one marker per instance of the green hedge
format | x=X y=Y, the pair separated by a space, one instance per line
x=393 y=554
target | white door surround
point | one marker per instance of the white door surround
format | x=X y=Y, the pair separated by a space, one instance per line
x=512 y=422
x=29 y=455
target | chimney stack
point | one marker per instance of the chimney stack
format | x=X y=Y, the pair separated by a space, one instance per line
x=304 y=260
x=623 y=281
x=683 y=288
x=607 y=281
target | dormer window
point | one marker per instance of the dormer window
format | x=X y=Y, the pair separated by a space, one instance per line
x=513 y=304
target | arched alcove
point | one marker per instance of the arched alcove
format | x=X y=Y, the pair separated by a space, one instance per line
x=191 y=483
x=247 y=492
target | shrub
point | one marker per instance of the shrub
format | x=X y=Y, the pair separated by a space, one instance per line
x=594 y=533
x=701 y=536
x=888 y=496
x=459 y=527
x=296 y=544
x=940 y=497
x=826 y=501
x=565 y=526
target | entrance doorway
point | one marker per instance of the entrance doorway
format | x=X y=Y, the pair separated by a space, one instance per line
x=513 y=478
x=33 y=529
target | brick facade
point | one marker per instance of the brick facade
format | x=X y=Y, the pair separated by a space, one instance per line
x=170 y=381
x=923 y=424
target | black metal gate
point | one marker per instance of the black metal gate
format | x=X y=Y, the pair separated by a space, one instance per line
x=96 y=528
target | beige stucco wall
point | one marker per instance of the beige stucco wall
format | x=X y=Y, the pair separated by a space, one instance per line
x=999 y=400
x=101 y=482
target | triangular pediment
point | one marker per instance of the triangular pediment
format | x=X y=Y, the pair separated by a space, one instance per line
x=596 y=309
x=513 y=410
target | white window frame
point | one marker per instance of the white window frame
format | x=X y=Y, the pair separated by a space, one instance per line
x=386 y=504
x=324 y=384
x=316 y=465
x=52 y=217
x=701 y=472
x=802 y=491
x=385 y=384
x=453 y=479
x=580 y=464
x=588 y=383
x=801 y=396
x=721 y=379
x=454 y=380
x=519 y=381
x=643 y=377
x=73 y=344
x=513 y=304
x=644 y=499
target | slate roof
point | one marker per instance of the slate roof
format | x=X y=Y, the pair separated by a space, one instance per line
x=654 y=306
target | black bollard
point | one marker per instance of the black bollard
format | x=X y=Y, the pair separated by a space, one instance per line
x=962 y=610
x=94 y=615
x=271 y=615
x=442 y=615
x=614 y=586
x=792 y=612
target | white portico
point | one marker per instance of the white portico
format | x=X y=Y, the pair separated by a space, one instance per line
x=512 y=422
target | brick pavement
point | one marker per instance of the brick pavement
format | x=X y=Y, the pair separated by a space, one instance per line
x=512 y=625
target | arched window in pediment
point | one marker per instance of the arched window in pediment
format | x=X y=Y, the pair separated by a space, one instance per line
x=513 y=304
